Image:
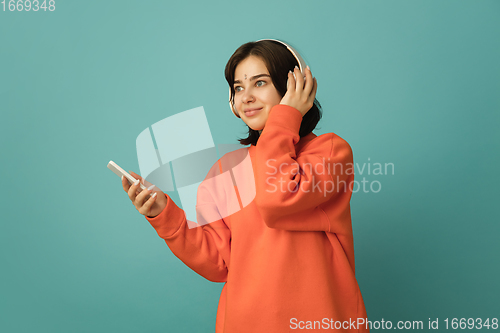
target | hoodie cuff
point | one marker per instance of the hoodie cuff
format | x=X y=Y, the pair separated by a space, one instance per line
x=169 y=220
x=285 y=116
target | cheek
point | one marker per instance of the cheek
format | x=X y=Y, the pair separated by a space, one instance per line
x=237 y=101
x=273 y=97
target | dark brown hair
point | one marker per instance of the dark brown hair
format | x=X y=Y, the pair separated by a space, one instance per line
x=278 y=60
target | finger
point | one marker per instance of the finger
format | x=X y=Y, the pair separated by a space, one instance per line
x=142 y=180
x=291 y=81
x=312 y=95
x=299 y=78
x=125 y=184
x=132 y=190
x=136 y=176
x=309 y=81
x=146 y=208
x=141 y=200
x=141 y=197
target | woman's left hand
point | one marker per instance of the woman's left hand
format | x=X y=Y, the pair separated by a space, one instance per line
x=299 y=95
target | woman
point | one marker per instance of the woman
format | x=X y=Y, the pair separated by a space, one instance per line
x=286 y=257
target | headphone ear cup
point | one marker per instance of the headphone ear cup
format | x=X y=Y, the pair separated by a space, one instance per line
x=231 y=105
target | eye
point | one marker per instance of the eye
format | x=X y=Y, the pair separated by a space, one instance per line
x=237 y=89
x=258 y=83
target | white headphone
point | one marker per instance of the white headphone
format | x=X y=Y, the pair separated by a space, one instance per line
x=297 y=56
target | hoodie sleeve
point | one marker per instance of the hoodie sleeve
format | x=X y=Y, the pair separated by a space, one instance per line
x=204 y=247
x=309 y=191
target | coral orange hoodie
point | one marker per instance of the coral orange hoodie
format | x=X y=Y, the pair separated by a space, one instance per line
x=274 y=225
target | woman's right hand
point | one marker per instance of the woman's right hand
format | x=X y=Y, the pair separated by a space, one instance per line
x=152 y=206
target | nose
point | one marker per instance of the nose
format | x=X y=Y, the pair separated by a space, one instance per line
x=247 y=96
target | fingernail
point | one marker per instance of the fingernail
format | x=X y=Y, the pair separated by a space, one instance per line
x=297 y=67
x=151 y=187
x=154 y=195
x=308 y=67
x=122 y=178
x=136 y=182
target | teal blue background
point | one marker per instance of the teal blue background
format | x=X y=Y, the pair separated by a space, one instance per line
x=413 y=83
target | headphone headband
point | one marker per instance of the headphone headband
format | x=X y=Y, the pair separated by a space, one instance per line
x=296 y=55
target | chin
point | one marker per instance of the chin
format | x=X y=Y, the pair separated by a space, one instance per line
x=256 y=126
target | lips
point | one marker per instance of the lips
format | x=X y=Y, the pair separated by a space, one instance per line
x=252 y=111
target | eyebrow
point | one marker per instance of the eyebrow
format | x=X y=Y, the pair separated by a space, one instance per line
x=253 y=77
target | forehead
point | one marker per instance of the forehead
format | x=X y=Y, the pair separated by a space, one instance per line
x=251 y=65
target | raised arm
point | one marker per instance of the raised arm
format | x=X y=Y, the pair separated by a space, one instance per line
x=308 y=191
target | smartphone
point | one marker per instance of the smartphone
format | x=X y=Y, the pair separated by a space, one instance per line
x=120 y=172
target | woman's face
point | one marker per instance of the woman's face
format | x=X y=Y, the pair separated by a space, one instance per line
x=254 y=92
